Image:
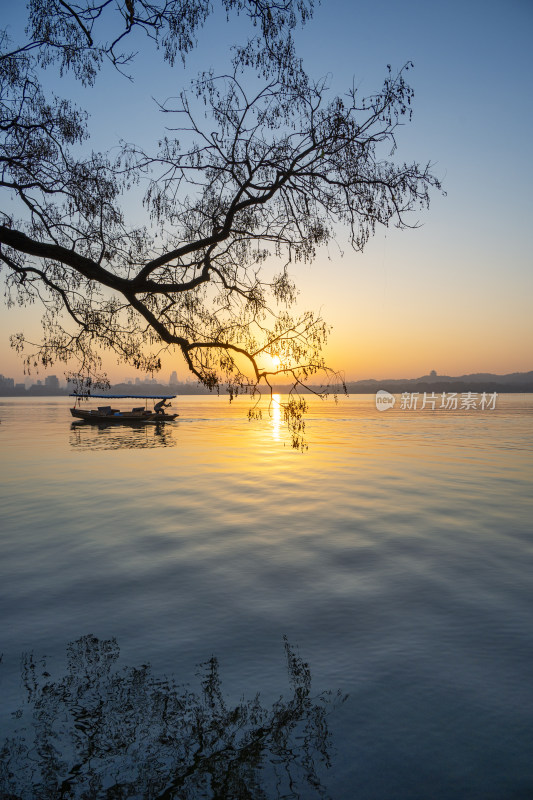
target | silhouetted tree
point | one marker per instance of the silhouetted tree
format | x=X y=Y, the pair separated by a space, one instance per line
x=103 y=732
x=264 y=169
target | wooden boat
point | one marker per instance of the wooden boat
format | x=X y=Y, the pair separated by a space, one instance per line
x=108 y=415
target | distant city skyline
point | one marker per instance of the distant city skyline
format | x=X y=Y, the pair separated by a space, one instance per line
x=51 y=381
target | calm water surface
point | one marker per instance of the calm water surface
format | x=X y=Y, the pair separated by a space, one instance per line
x=395 y=556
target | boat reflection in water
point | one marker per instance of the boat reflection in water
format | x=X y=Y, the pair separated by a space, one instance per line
x=103 y=436
x=102 y=731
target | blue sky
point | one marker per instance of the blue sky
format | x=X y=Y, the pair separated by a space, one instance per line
x=454 y=295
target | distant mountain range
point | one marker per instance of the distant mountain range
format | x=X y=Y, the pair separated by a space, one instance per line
x=478 y=381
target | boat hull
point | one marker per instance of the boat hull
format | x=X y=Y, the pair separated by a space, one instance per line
x=137 y=418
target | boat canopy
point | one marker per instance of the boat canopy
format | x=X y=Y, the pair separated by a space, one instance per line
x=125 y=396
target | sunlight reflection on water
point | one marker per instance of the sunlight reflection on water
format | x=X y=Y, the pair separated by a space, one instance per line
x=276 y=417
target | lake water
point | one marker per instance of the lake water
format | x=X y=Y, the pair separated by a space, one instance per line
x=395 y=556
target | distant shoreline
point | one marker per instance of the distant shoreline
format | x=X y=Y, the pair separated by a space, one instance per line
x=514 y=383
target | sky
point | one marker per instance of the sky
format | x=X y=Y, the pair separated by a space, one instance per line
x=454 y=295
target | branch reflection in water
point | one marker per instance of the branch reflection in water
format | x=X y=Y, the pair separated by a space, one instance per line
x=123 y=436
x=101 y=731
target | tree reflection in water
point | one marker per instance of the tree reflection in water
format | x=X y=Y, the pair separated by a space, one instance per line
x=123 y=436
x=100 y=731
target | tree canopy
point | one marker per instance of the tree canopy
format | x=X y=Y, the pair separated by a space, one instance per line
x=257 y=166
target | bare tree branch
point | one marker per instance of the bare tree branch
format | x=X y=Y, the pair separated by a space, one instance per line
x=254 y=173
